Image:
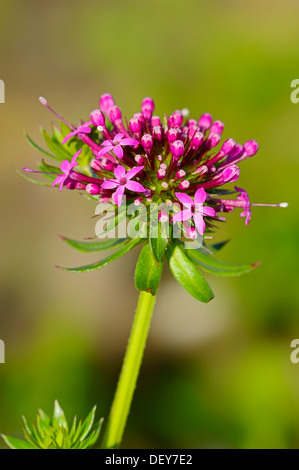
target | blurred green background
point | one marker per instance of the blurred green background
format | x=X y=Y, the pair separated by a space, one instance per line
x=214 y=376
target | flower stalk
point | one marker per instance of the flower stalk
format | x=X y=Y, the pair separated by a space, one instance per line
x=130 y=370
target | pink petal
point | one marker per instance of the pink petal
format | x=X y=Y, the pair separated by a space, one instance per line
x=107 y=143
x=68 y=137
x=73 y=161
x=134 y=186
x=120 y=172
x=59 y=180
x=200 y=196
x=129 y=141
x=118 y=138
x=65 y=166
x=119 y=194
x=131 y=173
x=183 y=215
x=109 y=184
x=199 y=223
x=185 y=199
x=118 y=151
x=105 y=150
x=208 y=211
x=84 y=129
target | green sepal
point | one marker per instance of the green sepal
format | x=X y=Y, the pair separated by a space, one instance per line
x=148 y=272
x=186 y=273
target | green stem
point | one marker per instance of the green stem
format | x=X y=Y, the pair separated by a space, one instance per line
x=130 y=370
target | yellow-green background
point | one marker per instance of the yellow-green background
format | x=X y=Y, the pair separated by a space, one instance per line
x=213 y=376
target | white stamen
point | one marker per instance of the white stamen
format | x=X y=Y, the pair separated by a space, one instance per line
x=100 y=128
x=43 y=101
x=283 y=204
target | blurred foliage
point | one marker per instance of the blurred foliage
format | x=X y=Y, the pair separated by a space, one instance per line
x=213 y=376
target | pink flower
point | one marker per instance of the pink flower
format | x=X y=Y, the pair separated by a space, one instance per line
x=195 y=209
x=66 y=167
x=84 y=129
x=116 y=145
x=123 y=181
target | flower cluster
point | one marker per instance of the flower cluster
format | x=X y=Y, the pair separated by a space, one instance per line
x=147 y=159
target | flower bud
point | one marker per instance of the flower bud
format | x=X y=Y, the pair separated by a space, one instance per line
x=149 y=103
x=97 y=118
x=184 y=184
x=93 y=189
x=146 y=112
x=139 y=159
x=197 y=140
x=135 y=125
x=176 y=119
x=217 y=128
x=251 y=147
x=172 y=135
x=106 y=102
x=228 y=146
x=180 y=174
x=114 y=114
x=157 y=132
x=213 y=140
x=177 y=149
x=161 y=173
x=155 y=121
x=147 y=142
x=205 y=122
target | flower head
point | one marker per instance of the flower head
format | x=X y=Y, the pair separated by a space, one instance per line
x=176 y=160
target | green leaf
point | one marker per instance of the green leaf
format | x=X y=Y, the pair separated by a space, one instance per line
x=32 y=180
x=94 y=435
x=14 y=443
x=214 y=266
x=148 y=273
x=38 y=148
x=187 y=274
x=43 y=421
x=86 y=425
x=102 y=263
x=60 y=152
x=88 y=247
x=59 y=419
